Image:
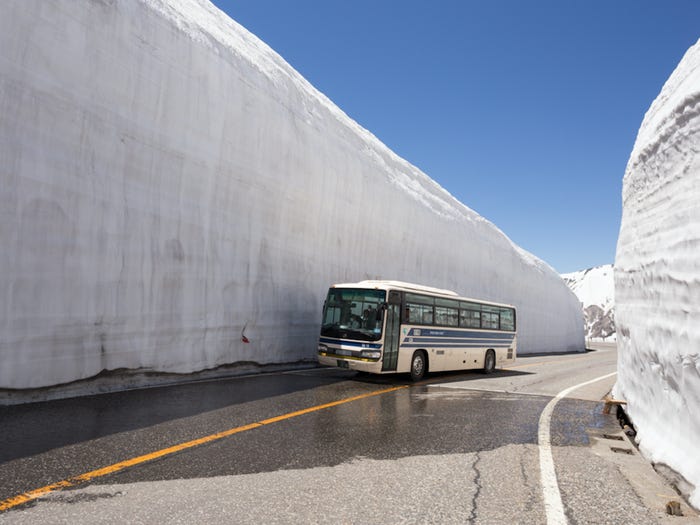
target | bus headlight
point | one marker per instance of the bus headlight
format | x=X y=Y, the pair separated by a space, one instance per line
x=371 y=354
x=322 y=349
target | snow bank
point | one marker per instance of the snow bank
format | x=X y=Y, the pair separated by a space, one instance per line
x=595 y=289
x=657 y=277
x=168 y=181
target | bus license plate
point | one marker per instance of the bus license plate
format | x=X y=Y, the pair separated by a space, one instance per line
x=343 y=364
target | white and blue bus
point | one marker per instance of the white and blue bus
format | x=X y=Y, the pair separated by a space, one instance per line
x=386 y=327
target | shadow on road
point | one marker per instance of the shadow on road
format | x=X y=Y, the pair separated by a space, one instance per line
x=37 y=427
x=435 y=377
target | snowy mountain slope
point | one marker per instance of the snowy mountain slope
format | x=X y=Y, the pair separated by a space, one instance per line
x=657 y=277
x=169 y=184
x=595 y=289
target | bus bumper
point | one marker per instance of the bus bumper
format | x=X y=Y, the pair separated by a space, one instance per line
x=350 y=364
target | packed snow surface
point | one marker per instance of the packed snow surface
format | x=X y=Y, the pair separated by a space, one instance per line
x=170 y=185
x=657 y=277
x=595 y=289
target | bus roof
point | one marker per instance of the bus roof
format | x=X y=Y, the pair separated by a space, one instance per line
x=411 y=287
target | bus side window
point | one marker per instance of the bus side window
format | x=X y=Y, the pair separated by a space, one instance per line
x=394 y=297
x=507 y=319
x=427 y=314
x=419 y=314
x=470 y=319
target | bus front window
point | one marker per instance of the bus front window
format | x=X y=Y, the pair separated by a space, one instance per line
x=353 y=314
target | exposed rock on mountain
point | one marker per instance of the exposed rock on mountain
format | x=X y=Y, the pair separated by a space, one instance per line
x=595 y=290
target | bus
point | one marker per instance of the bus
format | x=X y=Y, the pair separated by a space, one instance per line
x=387 y=327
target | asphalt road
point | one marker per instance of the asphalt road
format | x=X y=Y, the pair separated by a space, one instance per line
x=331 y=446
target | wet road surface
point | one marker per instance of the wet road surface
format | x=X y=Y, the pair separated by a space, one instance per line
x=459 y=447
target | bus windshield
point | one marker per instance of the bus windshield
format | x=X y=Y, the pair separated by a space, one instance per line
x=353 y=314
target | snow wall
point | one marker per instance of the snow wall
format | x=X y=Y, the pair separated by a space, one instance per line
x=657 y=277
x=168 y=181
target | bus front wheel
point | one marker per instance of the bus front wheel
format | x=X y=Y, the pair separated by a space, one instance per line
x=489 y=362
x=419 y=365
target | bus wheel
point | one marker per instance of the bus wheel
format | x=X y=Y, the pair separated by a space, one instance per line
x=419 y=365
x=489 y=362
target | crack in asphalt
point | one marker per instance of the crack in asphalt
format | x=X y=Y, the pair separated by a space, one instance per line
x=477 y=492
x=530 y=502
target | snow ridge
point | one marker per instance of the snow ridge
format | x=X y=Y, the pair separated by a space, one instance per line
x=205 y=23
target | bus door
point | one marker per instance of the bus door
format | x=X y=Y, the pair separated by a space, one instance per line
x=392 y=332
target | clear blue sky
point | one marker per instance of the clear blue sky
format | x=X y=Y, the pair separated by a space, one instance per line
x=525 y=111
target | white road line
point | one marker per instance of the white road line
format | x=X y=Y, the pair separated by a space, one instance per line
x=550 y=487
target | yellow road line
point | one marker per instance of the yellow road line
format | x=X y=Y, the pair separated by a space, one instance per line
x=116 y=467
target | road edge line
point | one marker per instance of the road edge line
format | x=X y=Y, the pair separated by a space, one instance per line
x=551 y=495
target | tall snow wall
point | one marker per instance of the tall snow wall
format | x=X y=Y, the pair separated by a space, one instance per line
x=168 y=181
x=657 y=277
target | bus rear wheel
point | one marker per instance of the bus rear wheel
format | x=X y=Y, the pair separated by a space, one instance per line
x=490 y=362
x=419 y=365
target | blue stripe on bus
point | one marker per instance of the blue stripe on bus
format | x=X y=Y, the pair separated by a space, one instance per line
x=345 y=342
x=463 y=345
x=460 y=339
x=431 y=332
